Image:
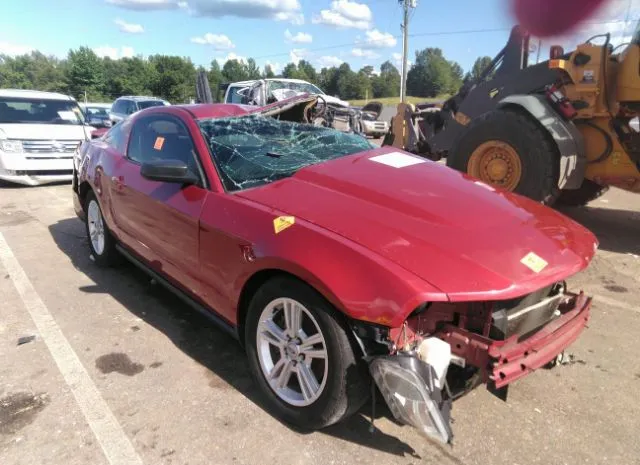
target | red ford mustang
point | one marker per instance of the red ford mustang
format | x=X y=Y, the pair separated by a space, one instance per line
x=335 y=262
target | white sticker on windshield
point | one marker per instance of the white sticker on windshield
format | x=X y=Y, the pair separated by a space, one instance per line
x=397 y=159
x=68 y=115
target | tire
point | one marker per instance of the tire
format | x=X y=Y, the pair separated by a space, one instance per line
x=104 y=252
x=342 y=378
x=538 y=158
x=587 y=192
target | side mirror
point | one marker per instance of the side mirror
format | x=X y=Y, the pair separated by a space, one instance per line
x=174 y=171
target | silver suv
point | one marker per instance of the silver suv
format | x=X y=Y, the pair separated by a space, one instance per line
x=129 y=104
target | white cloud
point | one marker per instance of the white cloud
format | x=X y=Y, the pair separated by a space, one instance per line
x=11 y=49
x=376 y=39
x=364 y=53
x=113 y=52
x=616 y=17
x=345 y=14
x=299 y=38
x=218 y=41
x=280 y=10
x=146 y=5
x=329 y=61
x=231 y=56
x=298 y=54
x=275 y=67
x=129 y=28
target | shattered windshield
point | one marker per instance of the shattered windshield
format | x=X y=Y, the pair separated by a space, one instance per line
x=250 y=151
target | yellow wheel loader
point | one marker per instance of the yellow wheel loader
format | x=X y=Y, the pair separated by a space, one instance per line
x=562 y=130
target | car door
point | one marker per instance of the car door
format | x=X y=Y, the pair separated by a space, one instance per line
x=160 y=219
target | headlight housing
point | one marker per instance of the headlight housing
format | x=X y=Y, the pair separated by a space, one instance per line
x=11 y=146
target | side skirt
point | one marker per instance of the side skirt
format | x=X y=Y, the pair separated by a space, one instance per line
x=206 y=312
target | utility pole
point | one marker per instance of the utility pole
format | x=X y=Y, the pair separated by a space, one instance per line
x=406 y=4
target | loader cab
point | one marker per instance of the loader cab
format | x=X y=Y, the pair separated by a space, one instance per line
x=628 y=79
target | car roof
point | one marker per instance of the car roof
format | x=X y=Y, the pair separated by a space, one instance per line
x=23 y=93
x=247 y=83
x=99 y=105
x=213 y=110
x=138 y=97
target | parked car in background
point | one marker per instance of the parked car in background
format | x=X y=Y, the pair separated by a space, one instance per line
x=127 y=105
x=370 y=120
x=97 y=114
x=264 y=91
x=39 y=132
x=333 y=261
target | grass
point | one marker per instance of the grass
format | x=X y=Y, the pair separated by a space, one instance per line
x=395 y=100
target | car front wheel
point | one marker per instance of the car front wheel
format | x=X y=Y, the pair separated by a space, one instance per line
x=302 y=357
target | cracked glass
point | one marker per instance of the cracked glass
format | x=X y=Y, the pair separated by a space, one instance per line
x=250 y=151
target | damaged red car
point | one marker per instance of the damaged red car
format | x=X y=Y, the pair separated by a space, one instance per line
x=335 y=262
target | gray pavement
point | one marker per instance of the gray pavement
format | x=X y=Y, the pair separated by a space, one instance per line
x=118 y=362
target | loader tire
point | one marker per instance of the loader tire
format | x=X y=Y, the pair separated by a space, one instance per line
x=587 y=192
x=508 y=149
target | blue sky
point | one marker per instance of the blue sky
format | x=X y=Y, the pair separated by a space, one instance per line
x=325 y=32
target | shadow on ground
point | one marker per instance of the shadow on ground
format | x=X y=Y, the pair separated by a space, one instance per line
x=197 y=337
x=617 y=230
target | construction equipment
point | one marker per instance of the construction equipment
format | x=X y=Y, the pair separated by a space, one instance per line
x=554 y=131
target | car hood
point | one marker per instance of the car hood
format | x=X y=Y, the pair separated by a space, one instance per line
x=458 y=234
x=45 y=131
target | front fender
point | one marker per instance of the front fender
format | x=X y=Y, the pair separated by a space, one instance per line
x=358 y=282
x=568 y=139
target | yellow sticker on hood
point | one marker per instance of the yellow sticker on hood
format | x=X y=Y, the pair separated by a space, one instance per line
x=283 y=222
x=534 y=262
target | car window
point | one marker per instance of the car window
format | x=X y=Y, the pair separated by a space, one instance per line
x=130 y=107
x=150 y=103
x=233 y=96
x=250 y=151
x=162 y=137
x=40 y=111
x=118 y=106
x=116 y=137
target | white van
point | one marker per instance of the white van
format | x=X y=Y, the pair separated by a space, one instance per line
x=39 y=132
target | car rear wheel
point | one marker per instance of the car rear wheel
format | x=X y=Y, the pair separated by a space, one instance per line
x=302 y=357
x=101 y=243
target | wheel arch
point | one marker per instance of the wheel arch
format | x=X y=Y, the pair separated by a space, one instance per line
x=564 y=134
x=83 y=190
x=260 y=277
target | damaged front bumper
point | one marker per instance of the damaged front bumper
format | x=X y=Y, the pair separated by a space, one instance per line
x=413 y=381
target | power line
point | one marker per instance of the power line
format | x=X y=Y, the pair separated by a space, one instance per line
x=427 y=34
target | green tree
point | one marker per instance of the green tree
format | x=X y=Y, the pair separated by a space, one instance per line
x=253 y=72
x=84 y=73
x=431 y=74
x=215 y=79
x=387 y=83
x=174 y=78
x=479 y=66
x=457 y=76
x=307 y=72
x=234 y=71
x=290 y=71
x=268 y=72
x=328 y=80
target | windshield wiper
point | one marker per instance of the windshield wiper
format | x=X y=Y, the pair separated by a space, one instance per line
x=273 y=155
